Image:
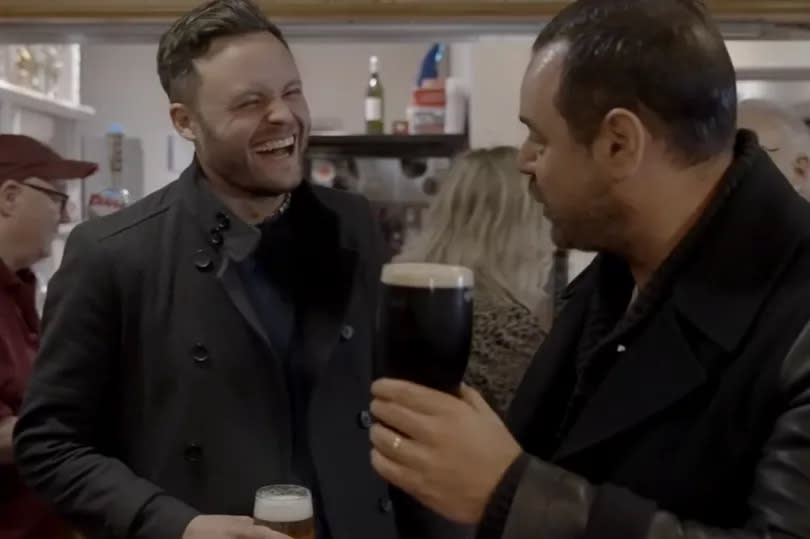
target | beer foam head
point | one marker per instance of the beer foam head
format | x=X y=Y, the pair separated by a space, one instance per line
x=283 y=503
x=423 y=275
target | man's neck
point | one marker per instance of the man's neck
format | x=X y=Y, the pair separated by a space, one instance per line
x=8 y=255
x=249 y=207
x=663 y=222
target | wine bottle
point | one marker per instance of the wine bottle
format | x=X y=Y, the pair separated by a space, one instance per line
x=375 y=100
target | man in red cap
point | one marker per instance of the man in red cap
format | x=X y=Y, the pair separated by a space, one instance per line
x=32 y=204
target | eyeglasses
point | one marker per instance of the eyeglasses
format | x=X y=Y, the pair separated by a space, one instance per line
x=58 y=197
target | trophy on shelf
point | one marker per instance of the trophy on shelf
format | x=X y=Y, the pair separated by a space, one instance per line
x=27 y=68
x=37 y=67
x=112 y=198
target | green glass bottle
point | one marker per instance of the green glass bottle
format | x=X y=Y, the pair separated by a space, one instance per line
x=375 y=100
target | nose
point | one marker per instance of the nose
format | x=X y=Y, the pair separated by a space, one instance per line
x=64 y=215
x=279 y=112
x=526 y=158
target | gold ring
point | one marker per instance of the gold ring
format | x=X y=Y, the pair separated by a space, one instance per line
x=397 y=441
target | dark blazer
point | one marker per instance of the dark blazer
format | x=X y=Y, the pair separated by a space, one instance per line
x=700 y=427
x=157 y=393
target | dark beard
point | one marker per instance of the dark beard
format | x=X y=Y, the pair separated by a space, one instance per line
x=227 y=170
x=255 y=191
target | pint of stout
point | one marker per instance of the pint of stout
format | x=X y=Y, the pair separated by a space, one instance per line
x=426 y=323
x=286 y=509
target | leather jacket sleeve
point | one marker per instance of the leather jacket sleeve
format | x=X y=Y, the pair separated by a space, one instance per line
x=536 y=499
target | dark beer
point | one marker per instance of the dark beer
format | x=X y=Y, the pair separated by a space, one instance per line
x=426 y=323
x=286 y=509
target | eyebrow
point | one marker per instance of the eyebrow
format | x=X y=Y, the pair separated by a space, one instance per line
x=295 y=82
x=258 y=89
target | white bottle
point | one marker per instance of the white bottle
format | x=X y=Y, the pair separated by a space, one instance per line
x=455 y=113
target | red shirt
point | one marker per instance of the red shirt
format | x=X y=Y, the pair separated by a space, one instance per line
x=22 y=515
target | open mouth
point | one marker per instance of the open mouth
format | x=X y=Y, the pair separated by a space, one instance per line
x=278 y=148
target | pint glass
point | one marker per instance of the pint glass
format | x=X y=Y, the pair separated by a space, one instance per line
x=426 y=323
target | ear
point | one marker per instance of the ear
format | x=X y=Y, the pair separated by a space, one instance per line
x=9 y=194
x=182 y=121
x=801 y=166
x=801 y=174
x=620 y=143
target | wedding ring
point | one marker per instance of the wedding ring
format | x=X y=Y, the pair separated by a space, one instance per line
x=397 y=441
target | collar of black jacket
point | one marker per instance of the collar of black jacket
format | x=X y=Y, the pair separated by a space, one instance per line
x=740 y=255
x=727 y=265
x=238 y=239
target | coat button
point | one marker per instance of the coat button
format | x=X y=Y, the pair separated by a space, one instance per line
x=193 y=453
x=202 y=261
x=364 y=419
x=223 y=221
x=346 y=332
x=386 y=505
x=199 y=353
x=215 y=239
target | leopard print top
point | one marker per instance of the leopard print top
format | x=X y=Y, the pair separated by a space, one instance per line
x=505 y=339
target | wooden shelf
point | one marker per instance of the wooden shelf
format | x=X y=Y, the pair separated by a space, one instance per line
x=413 y=146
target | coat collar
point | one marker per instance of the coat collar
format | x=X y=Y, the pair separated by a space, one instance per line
x=237 y=239
x=740 y=256
x=325 y=254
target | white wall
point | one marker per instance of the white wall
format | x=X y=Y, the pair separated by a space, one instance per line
x=494 y=79
x=335 y=74
x=120 y=82
x=498 y=63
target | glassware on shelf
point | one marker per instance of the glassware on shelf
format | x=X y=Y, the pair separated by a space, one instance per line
x=51 y=67
x=27 y=70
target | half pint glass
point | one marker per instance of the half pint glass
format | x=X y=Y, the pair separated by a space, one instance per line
x=286 y=509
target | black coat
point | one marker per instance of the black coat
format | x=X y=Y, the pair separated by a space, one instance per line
x=697 y=422
x=157 y=393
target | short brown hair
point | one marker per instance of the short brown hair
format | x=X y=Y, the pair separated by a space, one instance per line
x=191 y=36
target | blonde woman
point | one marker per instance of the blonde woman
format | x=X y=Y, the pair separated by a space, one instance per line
x=482 y=217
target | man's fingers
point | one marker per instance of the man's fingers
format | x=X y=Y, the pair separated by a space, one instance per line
x=396 y=448
x=418 y=398
x=394 y=473
x=411 y=424
x=475 y=400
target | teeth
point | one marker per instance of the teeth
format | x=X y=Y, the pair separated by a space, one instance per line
x=276 y=144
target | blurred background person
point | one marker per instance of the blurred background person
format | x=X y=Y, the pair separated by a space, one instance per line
x=32 y=205
x=481 y=218
x=783 y=135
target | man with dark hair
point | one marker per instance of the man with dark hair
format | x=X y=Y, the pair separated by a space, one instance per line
x=216 y=336
x=671 y=398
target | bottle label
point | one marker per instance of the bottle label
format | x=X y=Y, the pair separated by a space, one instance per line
x=373 y=109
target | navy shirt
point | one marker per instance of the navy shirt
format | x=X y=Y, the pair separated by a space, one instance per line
x=269 y=277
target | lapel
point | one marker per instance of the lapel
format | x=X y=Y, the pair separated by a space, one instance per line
x=741 y=249
x=536 y=401
x=327 y=267
x=230 y=239
x=652 y=374
x=325 y=258
x=238 y=293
